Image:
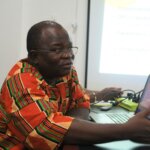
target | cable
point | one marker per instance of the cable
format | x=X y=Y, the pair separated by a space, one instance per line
x=138 y=96
x=128 y=90
x=131 y=95
x=135 y=96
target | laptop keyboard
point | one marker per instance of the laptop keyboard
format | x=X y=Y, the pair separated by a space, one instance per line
x=118 y=118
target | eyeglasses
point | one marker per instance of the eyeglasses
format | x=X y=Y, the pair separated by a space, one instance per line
x=73 y=50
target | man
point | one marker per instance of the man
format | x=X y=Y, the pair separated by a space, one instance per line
x=43 y=105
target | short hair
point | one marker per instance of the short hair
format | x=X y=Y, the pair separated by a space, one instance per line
x=35 y=33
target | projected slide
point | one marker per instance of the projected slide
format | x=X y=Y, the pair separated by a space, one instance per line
x=125 y=47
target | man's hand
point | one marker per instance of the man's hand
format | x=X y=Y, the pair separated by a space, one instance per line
x=109 y=93
x=139 y=127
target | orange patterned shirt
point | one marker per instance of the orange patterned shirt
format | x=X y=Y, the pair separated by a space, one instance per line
x=32 y=112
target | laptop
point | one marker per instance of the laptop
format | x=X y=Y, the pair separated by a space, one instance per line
x=120 y=115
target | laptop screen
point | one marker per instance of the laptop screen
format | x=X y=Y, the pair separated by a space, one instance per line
x=144 y=102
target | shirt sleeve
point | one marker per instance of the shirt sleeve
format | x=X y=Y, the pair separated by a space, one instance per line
x=32 y=117
x=7 y=141
x=79 y=96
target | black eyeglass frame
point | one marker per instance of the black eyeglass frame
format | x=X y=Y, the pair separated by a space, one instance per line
x=56 y=50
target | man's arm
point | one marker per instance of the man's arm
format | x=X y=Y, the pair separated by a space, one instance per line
x=86 y=132
x=79 y=113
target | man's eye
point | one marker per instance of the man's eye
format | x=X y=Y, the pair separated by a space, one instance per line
x=55 y=49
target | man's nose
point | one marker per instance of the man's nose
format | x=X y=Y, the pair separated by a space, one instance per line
x=68 y=54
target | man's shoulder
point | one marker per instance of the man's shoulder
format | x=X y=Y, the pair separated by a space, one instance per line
x=16 y=69
x=23 y=69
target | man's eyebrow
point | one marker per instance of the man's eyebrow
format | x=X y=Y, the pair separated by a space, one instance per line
x=60 y=44
x=56 y=44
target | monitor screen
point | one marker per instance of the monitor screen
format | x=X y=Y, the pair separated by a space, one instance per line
x=119 y=44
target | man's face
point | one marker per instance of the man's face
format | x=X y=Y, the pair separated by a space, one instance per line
x=57 y=60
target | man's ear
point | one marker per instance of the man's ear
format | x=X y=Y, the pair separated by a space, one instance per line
x=33 y=58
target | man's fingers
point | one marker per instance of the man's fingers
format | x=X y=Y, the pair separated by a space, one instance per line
x=144 y=113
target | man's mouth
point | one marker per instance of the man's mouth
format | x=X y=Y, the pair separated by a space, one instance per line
x=67 y=65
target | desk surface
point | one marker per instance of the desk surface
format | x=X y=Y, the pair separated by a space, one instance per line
x=119 y=145
x=123 y=145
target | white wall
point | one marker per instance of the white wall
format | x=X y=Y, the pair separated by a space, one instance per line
x=19 y=15
x=10 y=34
